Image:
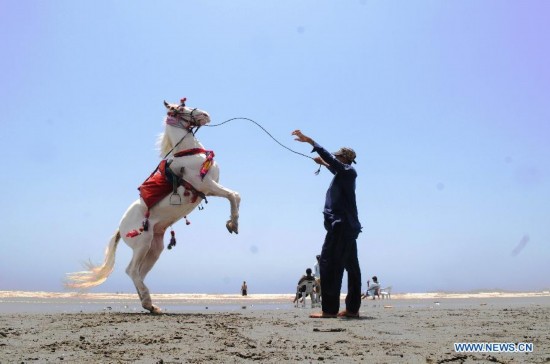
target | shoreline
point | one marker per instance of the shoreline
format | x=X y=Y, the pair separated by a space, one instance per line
x=254 y=296
x=12 y=302
x=73 y=302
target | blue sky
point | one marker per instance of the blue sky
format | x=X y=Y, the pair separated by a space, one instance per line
x=445 y=102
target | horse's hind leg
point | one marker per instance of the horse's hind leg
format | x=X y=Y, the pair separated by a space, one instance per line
x=215 y=189
x=141 y=245
x=157 y=246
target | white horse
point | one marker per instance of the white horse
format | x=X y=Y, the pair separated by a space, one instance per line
x=142 y=227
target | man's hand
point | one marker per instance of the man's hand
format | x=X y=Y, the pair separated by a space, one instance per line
x=320 y=161
x=302 y=138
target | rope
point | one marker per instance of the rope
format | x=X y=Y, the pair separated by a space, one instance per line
x=268 y=133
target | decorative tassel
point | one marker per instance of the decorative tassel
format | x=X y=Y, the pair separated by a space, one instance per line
x=172 y=240
x=207 y=163
x=132 y=234
x=187 y=222
x=145 y=222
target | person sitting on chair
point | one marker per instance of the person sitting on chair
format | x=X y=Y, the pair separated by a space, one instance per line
x=301 y=286
x=372 y=289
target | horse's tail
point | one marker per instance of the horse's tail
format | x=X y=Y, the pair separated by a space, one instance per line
x=95 y=275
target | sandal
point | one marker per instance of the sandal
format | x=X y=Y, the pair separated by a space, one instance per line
x=348 y=314
x=322 y=315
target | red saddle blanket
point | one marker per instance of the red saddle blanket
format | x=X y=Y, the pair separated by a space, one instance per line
x=156 y=187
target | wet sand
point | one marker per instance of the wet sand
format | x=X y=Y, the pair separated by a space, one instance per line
x=390 y=331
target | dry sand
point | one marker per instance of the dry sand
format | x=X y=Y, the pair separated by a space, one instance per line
x=410 y=331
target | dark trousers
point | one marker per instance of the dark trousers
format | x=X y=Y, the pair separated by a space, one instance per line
x=340 y=252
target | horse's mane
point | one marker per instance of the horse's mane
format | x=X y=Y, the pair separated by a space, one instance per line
x=164 y=144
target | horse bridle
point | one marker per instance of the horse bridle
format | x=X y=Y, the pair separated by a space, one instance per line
x=192 y=124
x=181 y=116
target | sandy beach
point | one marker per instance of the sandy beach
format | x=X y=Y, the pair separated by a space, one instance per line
x=268 y=329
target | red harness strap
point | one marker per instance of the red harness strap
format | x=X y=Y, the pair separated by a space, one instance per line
x=192 y=151
x=207 y=163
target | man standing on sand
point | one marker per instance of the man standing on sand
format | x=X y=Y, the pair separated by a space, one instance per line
x=343 y=227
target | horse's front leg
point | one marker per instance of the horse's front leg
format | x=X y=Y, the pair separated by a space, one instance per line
x=215 y=189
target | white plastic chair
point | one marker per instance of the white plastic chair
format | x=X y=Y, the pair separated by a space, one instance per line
x=309 y=291
x=386 y=292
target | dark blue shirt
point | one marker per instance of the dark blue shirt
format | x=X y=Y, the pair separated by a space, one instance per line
x=340 y=203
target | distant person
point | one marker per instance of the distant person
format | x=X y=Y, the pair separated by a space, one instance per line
x=342 y=224
x=317 y=275
x=301 y=288
x=316 y=269
x=244 y=289
x=372 y=289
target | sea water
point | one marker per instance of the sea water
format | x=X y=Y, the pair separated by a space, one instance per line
x=71 y=302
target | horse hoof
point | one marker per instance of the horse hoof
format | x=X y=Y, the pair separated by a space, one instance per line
x=155 y=310
x=232 y=228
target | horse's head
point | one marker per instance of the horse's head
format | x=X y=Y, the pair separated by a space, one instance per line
x=185 y=117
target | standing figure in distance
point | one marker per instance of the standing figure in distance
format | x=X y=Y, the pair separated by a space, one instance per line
x=317 y=275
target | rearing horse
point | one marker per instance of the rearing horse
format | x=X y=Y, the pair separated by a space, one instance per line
x=143 y=226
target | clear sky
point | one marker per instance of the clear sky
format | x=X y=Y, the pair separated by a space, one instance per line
x=445 y=102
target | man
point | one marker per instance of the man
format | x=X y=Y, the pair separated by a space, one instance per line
x=372 y=289
x=301 y=288
x=317 y=275
x=317 y=270
x=342 y=224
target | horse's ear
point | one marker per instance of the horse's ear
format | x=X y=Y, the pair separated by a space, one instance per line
x=166 y=104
